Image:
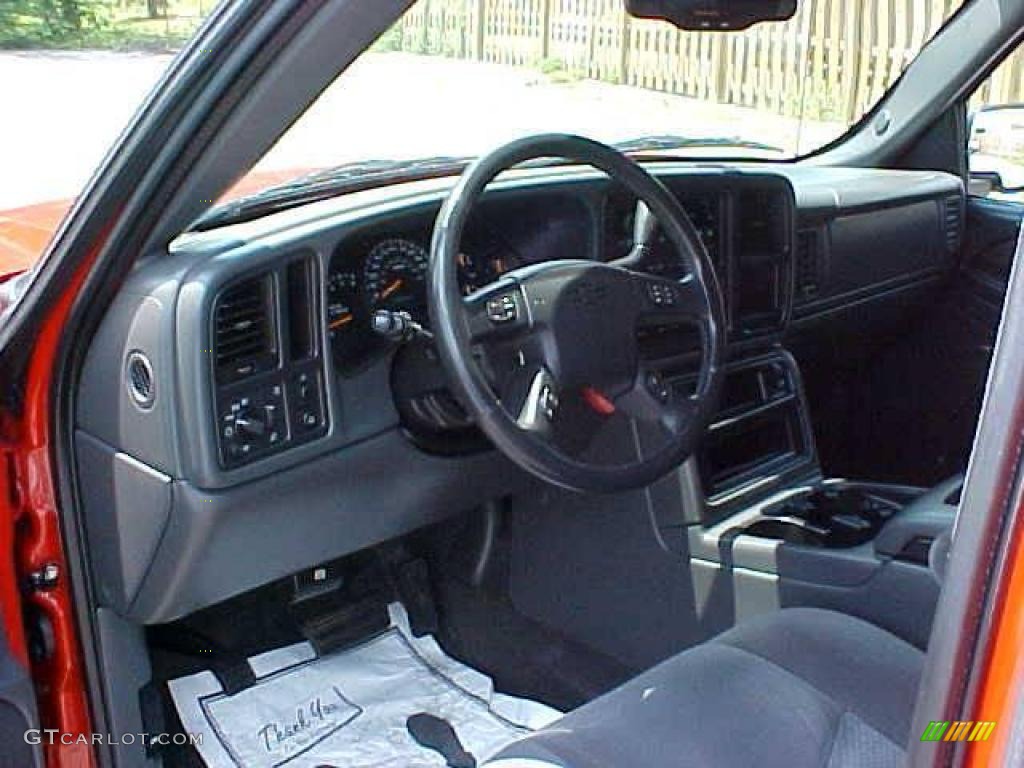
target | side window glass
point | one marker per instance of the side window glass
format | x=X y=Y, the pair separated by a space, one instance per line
x=996 y=133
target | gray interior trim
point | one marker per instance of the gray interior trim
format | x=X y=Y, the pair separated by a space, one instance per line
x=222 y=542
x=123 y=648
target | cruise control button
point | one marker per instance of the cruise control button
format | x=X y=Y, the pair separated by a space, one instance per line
x=502 y=309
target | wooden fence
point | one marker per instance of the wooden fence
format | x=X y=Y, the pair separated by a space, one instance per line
x=832 y=61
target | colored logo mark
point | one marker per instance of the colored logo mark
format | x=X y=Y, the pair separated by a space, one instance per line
x=958 y=730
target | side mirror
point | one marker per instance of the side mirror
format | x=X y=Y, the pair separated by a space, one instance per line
x=996 y=147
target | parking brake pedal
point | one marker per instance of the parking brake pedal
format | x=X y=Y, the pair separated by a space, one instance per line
x=437 y=734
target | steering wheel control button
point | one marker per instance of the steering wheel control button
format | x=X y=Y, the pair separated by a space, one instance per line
x=541 y=403
x=657 y=386
x=548 y=402
x=502 y=309
x=663 y=294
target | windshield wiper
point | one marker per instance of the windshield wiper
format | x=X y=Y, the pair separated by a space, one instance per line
x=665 y=142
x=320 y=185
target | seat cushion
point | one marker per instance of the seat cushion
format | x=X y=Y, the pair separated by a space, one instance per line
x=798 y=687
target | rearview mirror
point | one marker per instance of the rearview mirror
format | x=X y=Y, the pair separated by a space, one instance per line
x=996 y=146
x=706 y=15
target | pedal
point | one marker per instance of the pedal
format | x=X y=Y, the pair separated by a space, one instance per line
x=412 y=580
x=331 y=625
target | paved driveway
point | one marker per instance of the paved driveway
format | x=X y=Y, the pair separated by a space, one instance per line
x=63 y=110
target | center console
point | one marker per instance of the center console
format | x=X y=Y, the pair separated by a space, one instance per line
x=761 y=439
x=766 y=529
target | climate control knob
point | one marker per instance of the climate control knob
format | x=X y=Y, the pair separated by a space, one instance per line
x=251 y=424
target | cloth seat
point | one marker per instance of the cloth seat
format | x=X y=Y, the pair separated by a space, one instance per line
x=798 y=687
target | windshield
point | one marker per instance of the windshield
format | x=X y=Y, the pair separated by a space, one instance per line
x=456 y=78
x=452 y=79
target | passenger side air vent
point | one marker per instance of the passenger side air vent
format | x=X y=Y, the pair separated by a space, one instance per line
x=244 y=337
x=809 y=267
x=952 y=223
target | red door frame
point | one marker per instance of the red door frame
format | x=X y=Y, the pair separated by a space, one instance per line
x=31 y=539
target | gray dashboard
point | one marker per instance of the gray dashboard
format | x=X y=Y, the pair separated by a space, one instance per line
x=175 y=524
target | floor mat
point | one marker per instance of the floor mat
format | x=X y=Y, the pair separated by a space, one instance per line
x=350 y=709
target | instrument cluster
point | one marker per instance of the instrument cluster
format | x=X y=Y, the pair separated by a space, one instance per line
x=390 y=272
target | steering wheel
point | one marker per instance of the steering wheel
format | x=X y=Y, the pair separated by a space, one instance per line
x=568 y=328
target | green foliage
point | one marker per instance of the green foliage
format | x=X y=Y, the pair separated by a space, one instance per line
x=162 y=25
x=50 y=21
x=551 y=65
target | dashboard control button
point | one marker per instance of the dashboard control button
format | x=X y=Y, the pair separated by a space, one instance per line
x=251 y=425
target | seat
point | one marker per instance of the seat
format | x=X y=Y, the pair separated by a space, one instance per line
x=798 y=687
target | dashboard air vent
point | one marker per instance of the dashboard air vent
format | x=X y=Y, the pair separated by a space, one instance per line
x=952 y=222
x=809 y=272
x=244 y=340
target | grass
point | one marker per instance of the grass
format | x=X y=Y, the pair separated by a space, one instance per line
x=115 y=26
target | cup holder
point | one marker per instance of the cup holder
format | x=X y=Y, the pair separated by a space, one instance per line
x=830 y=517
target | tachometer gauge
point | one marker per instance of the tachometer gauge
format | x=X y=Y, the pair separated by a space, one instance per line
x=395 y=275
x=342 y=295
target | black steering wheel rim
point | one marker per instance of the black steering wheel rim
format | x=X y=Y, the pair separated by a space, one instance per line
x=455 y=339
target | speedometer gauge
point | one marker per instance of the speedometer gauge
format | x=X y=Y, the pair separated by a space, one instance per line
x=395 y=275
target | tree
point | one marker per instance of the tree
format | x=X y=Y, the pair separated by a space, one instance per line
x=157 y=8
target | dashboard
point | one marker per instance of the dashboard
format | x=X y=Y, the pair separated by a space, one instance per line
x=249 y=423
x=748 y=223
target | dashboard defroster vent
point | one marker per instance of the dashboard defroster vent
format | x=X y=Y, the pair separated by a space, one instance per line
x=244 y=337
x=952 y=222
x=809 y=267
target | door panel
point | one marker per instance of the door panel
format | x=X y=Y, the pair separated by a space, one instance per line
x=17 y=713
x=989 y=245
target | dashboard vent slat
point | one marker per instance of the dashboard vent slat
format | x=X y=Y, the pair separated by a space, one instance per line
x=952 y=222
x=244 y=329
x=809 y=267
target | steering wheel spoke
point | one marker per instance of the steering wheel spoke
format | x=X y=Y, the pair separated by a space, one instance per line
x=531 y=397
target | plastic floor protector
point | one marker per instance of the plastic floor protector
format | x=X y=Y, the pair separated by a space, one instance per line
x=349 y=709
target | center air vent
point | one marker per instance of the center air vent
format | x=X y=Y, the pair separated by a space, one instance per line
x=244 y=340
x=952 y=222
x=809 y=268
